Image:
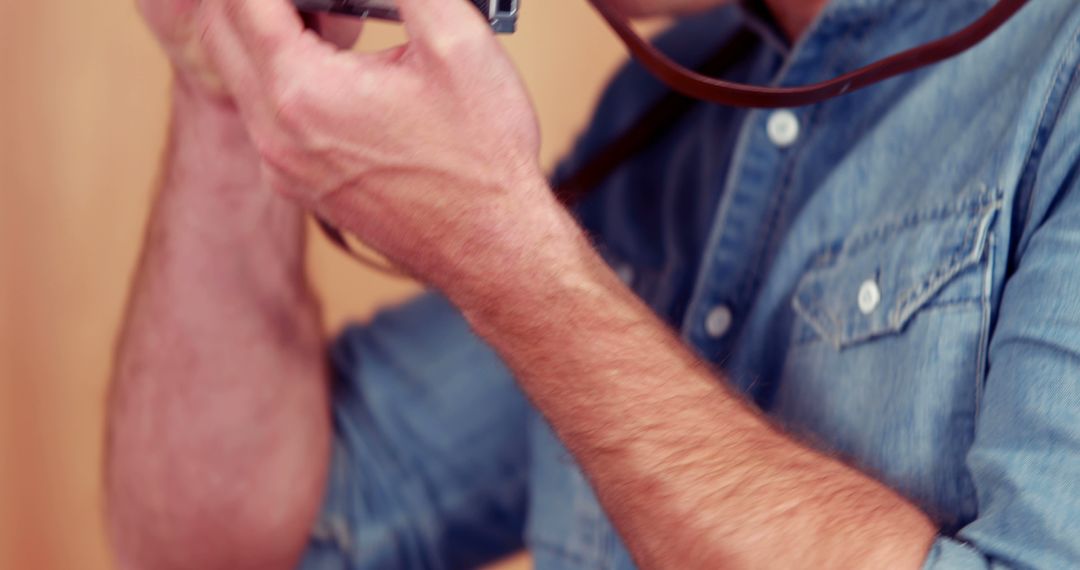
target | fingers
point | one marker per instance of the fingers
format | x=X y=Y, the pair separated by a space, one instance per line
x=258 y=47
x=443 y=25
x=342 y=31
x=252 y=32
x=265 y=26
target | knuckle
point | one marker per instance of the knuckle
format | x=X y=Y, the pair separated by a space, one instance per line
x=291 y=103
x=283 y=163
x=284 y=187
x=292 y=99
x=455 y=46
x=274 y=149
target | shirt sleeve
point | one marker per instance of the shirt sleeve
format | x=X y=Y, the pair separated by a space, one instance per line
x=1025 y=460
x=429 y=460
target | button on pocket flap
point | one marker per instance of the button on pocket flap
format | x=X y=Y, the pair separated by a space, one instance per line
x=881 y=274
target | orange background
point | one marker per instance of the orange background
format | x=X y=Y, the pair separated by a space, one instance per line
x=82 y=116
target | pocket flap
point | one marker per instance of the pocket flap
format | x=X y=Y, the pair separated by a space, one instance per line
x=877 y=278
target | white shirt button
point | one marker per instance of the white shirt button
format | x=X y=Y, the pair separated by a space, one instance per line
x=783 y=128
x=869 y=296
x=718 y=321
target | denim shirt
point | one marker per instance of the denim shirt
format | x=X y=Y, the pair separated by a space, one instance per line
x=893 y=276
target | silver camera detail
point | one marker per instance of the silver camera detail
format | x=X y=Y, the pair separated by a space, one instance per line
x=502 y=14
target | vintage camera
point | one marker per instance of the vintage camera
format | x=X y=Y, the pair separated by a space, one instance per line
x=501 y=13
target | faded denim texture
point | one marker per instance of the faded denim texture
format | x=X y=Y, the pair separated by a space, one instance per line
x=900 y=286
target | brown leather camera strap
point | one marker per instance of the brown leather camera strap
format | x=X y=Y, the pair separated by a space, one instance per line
x=651 y=125
x=690 y=87
x=714 y=90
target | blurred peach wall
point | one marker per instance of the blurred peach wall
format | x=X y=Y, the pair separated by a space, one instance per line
x=82 y=116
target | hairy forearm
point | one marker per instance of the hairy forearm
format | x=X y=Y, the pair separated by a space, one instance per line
x=691 y=475
x=218 y=415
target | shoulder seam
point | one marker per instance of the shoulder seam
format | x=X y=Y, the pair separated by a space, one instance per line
x=1063 y=85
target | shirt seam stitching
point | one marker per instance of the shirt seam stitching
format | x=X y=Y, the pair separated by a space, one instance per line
x=1034 y=155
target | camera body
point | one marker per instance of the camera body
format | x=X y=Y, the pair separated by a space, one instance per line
x=501 y=13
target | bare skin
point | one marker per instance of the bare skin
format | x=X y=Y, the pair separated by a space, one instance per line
x=220 y=314
x=218 y=421
x=218 y=399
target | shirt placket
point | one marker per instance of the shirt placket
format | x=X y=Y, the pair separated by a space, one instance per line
x=757 y=194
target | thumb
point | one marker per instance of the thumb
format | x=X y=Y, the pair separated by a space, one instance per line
x=341 y=31
x=441 y=24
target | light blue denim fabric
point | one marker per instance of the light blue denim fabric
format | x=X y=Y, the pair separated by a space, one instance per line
x=899 y=285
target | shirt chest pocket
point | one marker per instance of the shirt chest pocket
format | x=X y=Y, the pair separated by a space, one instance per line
x=876 y=280
x=888 y=341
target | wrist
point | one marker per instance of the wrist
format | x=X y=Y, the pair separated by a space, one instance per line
x=208 y=117
x=213 y=200
x=209 y=154
x=551 y=269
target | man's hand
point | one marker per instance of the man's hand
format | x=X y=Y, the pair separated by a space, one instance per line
x=428 y=152
x=175 y=25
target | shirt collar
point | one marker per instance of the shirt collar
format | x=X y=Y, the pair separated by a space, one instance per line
x=867 y=19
